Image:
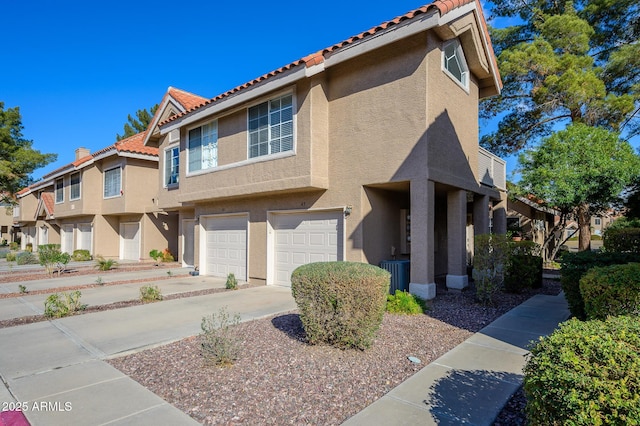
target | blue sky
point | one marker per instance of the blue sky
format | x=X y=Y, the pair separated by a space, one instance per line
x=76 y=68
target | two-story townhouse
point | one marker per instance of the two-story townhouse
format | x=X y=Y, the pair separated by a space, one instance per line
x=364 y=151
x=102 y=202
x=35 y=216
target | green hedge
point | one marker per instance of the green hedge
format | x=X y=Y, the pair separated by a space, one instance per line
x=611 y=291
x=622 y=240
x=341 y=303
x=523 y=271
x=575 y=265
x=586 y=373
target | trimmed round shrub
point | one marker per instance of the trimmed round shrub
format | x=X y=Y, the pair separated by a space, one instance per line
x=611 y=291
x=26 y=258
x=575 y=265
x=586 y=373
x=341 y=303
x=81 y=255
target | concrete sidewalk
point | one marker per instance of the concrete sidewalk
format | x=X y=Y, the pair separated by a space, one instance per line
x=56 y=367
x=471 y=383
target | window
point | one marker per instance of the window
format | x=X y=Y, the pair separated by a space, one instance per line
x=59 y=190
x=75 y=186
x=112 y=182
x=454 y=63
x=271 y=127
x=203 y=147
x=598 y=221
x=171 y=166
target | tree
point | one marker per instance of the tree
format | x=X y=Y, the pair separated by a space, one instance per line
x=564 y=64
x=139 y=123
x=580 y=171
x=17 y=157
x=632 y=201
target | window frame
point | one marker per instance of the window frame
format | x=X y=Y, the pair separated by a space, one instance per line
x=71 y=176
x=213 y=162
x=270 y=126
x=104 y=183
x=169 y=161
x=58 y=191
x=461 y=61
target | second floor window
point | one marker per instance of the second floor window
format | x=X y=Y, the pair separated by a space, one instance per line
x=75 y=186
x=203 y=147
x=271 y=127
x=455 y=64
x=59 y=190
x=171 y=166
x=112 y=182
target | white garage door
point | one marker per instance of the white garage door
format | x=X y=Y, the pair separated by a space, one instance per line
x=66 y=239
x=84 y=237
x=305 y=238
x=225 y=246
x=130 y=241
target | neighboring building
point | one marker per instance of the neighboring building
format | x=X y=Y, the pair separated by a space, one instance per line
x=534 y=220
x=364 y=151
x=97 y=203
x=6 y=223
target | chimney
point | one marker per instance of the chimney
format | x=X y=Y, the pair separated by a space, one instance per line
x=82 y=152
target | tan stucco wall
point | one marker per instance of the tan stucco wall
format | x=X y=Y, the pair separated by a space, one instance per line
x=6 y=219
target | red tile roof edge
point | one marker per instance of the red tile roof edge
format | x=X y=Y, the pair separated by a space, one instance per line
x=47 y=201
x=133 y=144
x=443 y=6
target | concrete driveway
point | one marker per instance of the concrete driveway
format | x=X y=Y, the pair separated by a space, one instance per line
x=56 y=371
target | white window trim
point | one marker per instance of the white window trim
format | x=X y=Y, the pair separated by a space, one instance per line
x=104 y=174
x=465 y=84
x=55 y=191
x=164 y=168
x=189 y=129
x=294 y=109
x=71 y=186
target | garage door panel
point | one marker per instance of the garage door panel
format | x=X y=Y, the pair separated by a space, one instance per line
x=305 y=238
x=226 y=246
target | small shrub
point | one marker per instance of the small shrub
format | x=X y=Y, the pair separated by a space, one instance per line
x=105 y=264
x=150 y=293
x=11 y=257
x=99 y=281
x=218 y=343
x=585 y=373
x=167 y=256
x=60 y=305
x=14 y=245
x=29 y=247
x=404 y=302
x=232 y=282
x=341 y=303
x=4 y=253
x=575 y=265
x=622 y=240
x=26 y=258
x=50 y=256
x=81 y=255
x=22 y=289
x=611 y=291
x=489 y=262
x=155 y=255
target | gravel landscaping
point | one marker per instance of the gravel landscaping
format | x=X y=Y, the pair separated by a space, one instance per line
x=280 y=379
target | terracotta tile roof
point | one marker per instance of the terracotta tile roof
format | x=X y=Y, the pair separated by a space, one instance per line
x=47 y=200
x=133 y=144
x=82 y=160
x=187 y=100
x=443 y=6
x=23 y=190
